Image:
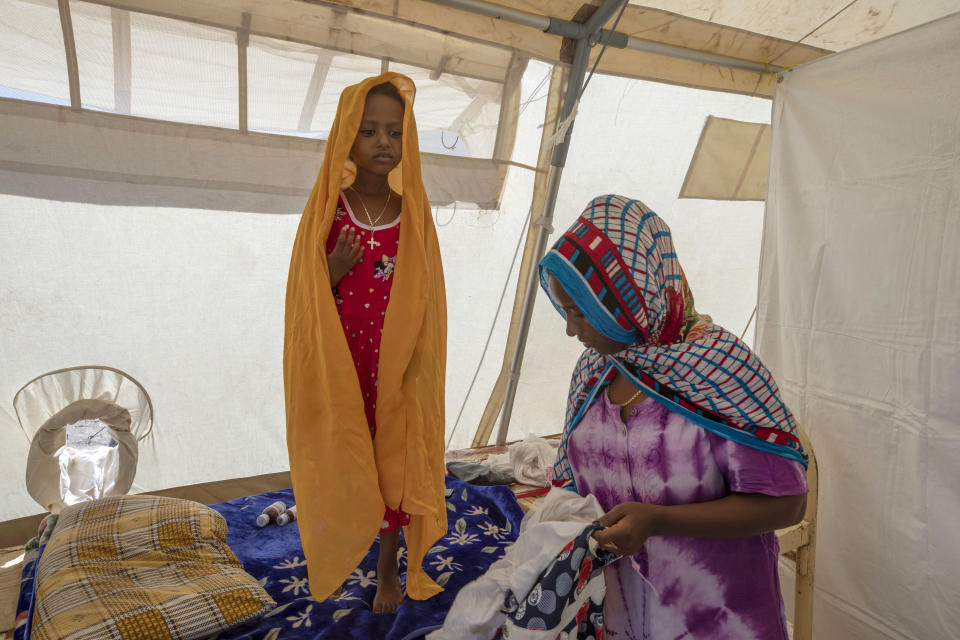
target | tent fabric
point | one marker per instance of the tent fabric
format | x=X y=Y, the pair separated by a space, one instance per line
x=731 y=161
x=362 y=32
x=834 y=25
x=169 y=71
x=559 y=79
x=55 y=153
x=859 y=319
x=430 y=35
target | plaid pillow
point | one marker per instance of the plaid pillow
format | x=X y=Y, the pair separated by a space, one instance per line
x=142 y=567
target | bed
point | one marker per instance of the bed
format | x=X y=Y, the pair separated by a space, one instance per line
x=482 y=521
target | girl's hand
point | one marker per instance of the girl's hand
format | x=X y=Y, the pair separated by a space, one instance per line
x=628 y=525
x=345 y=255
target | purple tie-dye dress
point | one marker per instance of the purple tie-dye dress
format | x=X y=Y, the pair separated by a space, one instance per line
x=702 y=588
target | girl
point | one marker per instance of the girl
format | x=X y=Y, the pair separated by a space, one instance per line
x=678 y=430
x=364 y=351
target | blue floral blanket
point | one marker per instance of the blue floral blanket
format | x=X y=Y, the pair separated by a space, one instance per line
x=483 y=521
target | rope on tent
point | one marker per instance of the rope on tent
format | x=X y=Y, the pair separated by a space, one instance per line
x=436 y=216
x=749 y=320
x=493 y=324
x=561 y=131
x=533 y=94
x=445 y=145
x=812 y=31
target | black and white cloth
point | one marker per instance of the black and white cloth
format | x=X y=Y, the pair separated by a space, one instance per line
x=567 y=601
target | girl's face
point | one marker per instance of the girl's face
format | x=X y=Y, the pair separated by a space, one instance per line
x=578 y=327
x=377 y=147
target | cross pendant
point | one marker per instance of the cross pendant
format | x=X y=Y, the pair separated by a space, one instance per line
x=373 y=243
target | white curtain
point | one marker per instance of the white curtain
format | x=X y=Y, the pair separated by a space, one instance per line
x=859 y=320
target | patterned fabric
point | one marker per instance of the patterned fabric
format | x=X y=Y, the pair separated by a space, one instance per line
x=141 y=567
x=567 y=600
x=362 y=296
x=678 y=586
x=618 y=264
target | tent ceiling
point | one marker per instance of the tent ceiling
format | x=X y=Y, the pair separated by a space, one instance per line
x=422 y=32
x=335 y=27
x=784 y=33
x=829 y=24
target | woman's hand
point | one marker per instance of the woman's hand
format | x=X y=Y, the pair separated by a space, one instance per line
x=737 y=515
x=345 y=255
x=628 y=525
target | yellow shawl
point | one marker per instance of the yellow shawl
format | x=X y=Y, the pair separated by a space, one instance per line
x=341 y=478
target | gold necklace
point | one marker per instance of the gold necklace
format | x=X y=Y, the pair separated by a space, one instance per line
x=632 y=398
x=373 y=243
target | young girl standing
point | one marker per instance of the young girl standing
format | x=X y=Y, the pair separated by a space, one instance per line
x=679 y=431
x=364 y=351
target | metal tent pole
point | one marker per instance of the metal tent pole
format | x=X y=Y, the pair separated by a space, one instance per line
x=545 y=224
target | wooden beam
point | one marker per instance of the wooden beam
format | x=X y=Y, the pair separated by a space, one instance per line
x=70 y=48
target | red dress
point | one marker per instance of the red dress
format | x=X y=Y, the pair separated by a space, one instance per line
x=362 y=296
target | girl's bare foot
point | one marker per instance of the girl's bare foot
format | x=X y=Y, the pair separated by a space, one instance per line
x=389 y=593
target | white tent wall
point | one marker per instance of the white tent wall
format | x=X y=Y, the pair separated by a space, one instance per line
x=859 y=321
x=188 y=301
x=481 y=257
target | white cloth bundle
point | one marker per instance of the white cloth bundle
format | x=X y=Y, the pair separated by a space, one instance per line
x=527 y=461
x=551 y=523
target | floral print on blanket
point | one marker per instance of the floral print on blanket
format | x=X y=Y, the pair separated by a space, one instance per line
x=483 y=521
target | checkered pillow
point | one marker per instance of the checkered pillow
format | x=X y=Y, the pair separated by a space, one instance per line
x=142 y=567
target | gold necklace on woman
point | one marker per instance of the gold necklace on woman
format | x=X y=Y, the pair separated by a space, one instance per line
x=632 y=398
x=373 y=243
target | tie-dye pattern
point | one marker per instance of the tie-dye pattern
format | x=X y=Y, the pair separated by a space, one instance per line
x=680 y=587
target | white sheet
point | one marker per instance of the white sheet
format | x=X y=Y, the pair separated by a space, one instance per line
x=859 y=321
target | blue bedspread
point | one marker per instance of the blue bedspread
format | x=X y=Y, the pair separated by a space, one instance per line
x=483 y=520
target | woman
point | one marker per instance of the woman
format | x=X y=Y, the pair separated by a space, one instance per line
x=678 y=430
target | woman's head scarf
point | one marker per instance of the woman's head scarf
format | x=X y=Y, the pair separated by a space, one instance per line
x=618 y=264
x=342 y=480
